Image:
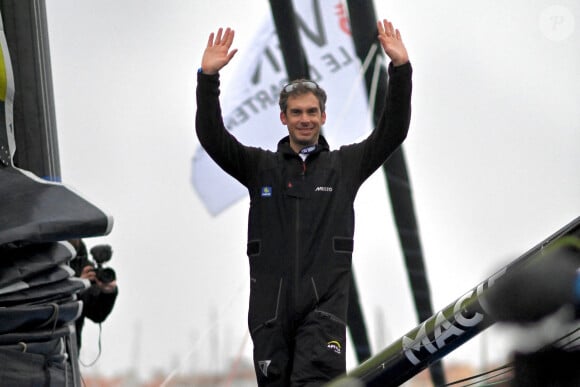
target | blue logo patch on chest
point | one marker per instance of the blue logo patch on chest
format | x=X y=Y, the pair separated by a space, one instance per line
x=266 y=192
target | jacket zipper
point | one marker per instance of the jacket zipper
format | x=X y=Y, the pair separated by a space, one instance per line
x=297 y=258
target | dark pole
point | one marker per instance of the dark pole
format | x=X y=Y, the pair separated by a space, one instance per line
x=35 y=132
x=364 y=33
x=289 y=38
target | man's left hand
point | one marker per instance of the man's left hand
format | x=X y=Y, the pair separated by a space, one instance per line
x=392 y=43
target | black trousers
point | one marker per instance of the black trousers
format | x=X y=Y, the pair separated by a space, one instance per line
x=308 y=352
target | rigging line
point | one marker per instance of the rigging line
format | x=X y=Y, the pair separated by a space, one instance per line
x=203 y=336
x=374 y=85
x=356 y=81
x=509 y=365
x=368 y=58
x=488 y=379
x=566 y=336
x=501 y=382
x=569 y=344
x=238 y=358
x=94 y=361
x=559 y=342
x=506 y=368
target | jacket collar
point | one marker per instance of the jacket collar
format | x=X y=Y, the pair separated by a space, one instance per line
x=284 y=146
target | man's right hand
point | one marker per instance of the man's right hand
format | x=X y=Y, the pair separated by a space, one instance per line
x=88 y=273
x=217 y=54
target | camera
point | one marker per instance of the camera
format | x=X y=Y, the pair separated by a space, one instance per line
x=102 y=254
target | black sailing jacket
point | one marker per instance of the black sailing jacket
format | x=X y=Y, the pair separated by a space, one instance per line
x=301 y=220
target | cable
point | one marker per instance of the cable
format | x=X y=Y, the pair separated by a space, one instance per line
x=567 y=344
x=98 y=353
x=356 y=81
x=504 y=368
x=194 y=349
x=509 y=366
x=237 y=360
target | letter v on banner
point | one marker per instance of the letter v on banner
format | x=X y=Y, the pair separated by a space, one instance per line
x=250 y=101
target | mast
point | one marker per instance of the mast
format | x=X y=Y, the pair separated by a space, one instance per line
x=364 y=33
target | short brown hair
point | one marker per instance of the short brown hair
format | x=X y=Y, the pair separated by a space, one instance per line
x=301 y=87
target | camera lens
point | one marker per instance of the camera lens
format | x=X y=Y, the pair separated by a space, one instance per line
x=106 y=275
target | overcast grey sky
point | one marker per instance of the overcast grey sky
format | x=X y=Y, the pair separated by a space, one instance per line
x=492 y=154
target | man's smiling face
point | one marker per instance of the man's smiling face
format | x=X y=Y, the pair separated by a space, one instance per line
x=303 y=119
